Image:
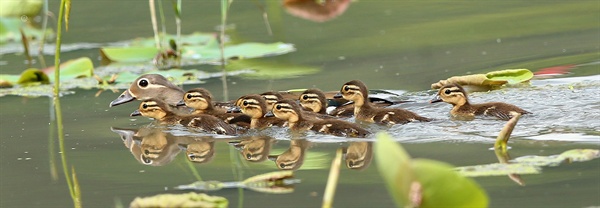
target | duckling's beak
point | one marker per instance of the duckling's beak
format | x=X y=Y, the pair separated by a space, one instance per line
x=123 y=98
x=136 y=113
x=269 y=114
x=180 y=103
x=272 y=158
x=234 y=109
x=338 y=95
x=436 y=99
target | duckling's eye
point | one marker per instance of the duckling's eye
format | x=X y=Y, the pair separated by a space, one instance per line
x=248 y=156
x=278 y=107
x=282 y=165
x=192 y=157
x=245 y=103
x=144 y=106
x=447 y=92
x=146 y=152
x=143 y=83
x=189 y=96
x=305 y=97
x=346 y=88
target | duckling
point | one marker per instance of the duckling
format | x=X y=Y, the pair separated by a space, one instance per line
x=150 y=86
x=457 y=96
x=200 y=100
x=153 y=108
x=271 y=97
x=290 y=111
x=255 y=106
x=357 y=92
x=314 y=104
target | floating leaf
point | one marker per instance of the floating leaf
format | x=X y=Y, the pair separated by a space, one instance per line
x=10 y=30
x=19 y=8
x=490 y=80
x=32 y=76
x=424 y=183
x=264 y=70
x=497 y=169
x=76 y=68
x=180 y=200
x=576 y=155
x=512 y=76
x=130 y=54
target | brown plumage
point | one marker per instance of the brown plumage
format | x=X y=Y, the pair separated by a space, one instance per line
x=291 y=111
x=357 y=92
x=255 y=106
x=153 y=108
x=314 y=104
x=457 y=96
x=150 y=86
x=200 y=100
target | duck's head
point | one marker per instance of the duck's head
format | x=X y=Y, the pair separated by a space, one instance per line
x=197 y=98
x=287 y=110
x=271 y=98
x=252 y=105
x=313 y=99
x=356 y=91
x=150 y=86
x=152 y=108
x=451 y=93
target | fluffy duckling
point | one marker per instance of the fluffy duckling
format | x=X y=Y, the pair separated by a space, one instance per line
x=200 y=100
x=357 y=92
x=291 y=111
x=314 y=104
x=150 y=86
x=255 y=106
x=271 y=97
x=153 y=108
x=457 y=96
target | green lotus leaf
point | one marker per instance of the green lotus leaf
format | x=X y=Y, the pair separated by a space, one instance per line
x=394 y=166
x=180 y=200
x=512 y=76
x=196 y=38
x=497 y=169
x=441 y=186
x=264 y=70
x=31 y=76
x=76 y=68
x=130 y=54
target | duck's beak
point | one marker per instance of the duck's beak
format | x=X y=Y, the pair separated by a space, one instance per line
x=338 y=95
x=436 y=99
x=136 y=113
x=123 y=98
x=269 y=114
x=180 y=103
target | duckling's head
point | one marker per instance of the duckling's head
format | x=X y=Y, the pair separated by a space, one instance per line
x=313 y=99
x=356 y=91
x=150 y=86
x=198 y=98
x=287 y=110
x=271 y=98
x=152 y=108
x=451 y=93
x=252 y=105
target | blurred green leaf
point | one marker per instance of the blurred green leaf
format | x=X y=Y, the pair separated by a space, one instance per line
x=421 y=182
x=180 y=200
x=265 y=70
x=10 y=30
x=130 y=54
x=31 y=76
x=18 y=8
x=76 y=68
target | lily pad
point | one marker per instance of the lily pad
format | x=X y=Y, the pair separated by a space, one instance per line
x=21 y=7
x=265 y=70
x=129 y=54
x=71 y=69
x=180 y=200
x=490 y=80
x=10 y=30
x=422 y=182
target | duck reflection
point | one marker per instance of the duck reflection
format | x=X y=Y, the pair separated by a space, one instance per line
x=199 y=149
x=358 y=155
x=254 y=148
x=293 y=157
x=318 y=11
x=153 y=146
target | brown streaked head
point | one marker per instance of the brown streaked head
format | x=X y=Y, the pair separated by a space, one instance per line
x=271 y=97
x=287 y=110
x=451 y=93
x=198 y=98
x=313 y=99
x=252 y=105
x=152 y=108
x=356 y=91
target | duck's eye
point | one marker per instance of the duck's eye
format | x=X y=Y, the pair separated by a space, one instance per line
x=143 y=83
x=144 y=106
x=248 y=156
x=245 y=103
x=278 y=107
x=189 y=96
x=305 y=97
x=447 y=92
x=346 y=88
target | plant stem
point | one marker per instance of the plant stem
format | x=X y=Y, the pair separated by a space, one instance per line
x=59 y=126
x=332 y=180
x=163 y=26
x=154 y=24
x=43 y=40
x=224 y=8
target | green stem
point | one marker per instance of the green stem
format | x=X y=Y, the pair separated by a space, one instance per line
x=59 y=122
x=224 y=8
x=163 y=25
x=193 y=169
x=154 y=24
x=43 y=40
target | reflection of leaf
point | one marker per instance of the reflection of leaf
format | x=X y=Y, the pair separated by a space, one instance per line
x=497 y=169
x=10 y=30
x=575 y=155
x=491 y=80
x=180 y=200
x=263 y=70
x=424 y=183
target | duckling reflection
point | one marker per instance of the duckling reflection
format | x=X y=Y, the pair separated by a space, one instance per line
x=199 y=149
x=293 y=157
x=358 y=155
x=254 y=148
x=150 y=146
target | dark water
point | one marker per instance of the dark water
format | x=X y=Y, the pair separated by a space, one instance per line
x=401 y=45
